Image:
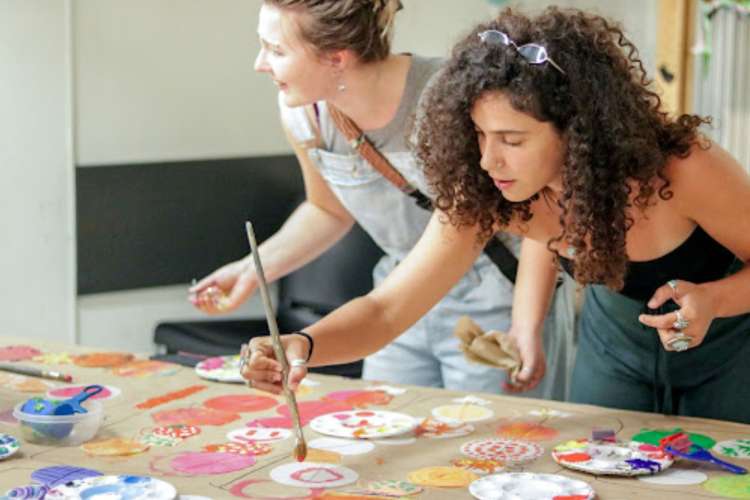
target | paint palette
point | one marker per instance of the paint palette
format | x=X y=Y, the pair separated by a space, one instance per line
x=220 y=369
x=514 y=485
x=363 y=424
x=114 y=488
x=8 y=446
x=608 y=458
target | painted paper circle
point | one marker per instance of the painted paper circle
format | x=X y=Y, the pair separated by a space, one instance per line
x=18 y=352
x=462 y=413
x=145 y=368
x=208 y=463
x=652 y=436
x=514 y=485
x=479 y=466
x=176 y=431
x=394 y=488
x=151 y=439
x=359 y=398
x=527 y=431
x=503 y=450
x=250 y=434
x=313 y=475
x=731 y=486
x=114 y=487
x=442 y=477
x=608 y=458
x=61 y=474
x=437 y=429
x=734 y=448
x=241 y=403
x=342 y=446
x=102 y=359
x=8 y=446
x=676 y=477
x=220 y=369
x=239 y=448
x=108 y=392
x=362 y=424
x=194 y=416
x=115 y=447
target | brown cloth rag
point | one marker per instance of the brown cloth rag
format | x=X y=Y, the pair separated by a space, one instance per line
x=491 y=348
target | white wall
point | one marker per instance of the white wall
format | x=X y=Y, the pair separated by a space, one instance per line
x=153 y=80
x=37 y=294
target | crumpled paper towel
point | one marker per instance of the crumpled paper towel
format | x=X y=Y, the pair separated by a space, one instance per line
x=493 y=348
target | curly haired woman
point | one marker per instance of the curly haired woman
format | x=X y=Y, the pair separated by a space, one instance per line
x=337 y=53
x=546 y=126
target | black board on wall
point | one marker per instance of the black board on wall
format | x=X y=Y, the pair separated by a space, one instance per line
x=157 y=224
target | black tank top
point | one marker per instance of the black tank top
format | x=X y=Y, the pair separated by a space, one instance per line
x=698 y=260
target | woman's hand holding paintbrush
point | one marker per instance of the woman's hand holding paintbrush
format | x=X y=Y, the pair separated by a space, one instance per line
x=263 y=370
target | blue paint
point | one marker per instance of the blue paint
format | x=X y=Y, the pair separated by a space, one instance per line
x=648 y=465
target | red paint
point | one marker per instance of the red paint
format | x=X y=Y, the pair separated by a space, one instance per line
x=575 y=457
x=241 y=403
x=359 y=399
x=170 y=396
x=528 y=431
x=308 y=410
x=69 y=392
x=238 y=490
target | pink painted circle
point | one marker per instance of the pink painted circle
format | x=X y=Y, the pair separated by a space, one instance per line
x=241 y=403
x=207 y=463
x=108 y=392
x=18 y=352
x=194 y=416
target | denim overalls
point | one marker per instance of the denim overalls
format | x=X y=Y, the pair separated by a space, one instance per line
x=427 y=354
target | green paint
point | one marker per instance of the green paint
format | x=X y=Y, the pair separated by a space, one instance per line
x=652 y=436
x=729 y=486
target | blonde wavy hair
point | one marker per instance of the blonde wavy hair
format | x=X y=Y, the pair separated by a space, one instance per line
x=362 y=26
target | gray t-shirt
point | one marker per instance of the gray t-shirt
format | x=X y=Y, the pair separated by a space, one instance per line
x=392 y=137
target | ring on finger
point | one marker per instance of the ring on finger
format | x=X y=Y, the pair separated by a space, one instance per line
x=297 y=363
x=680 y=323
x=673 y=285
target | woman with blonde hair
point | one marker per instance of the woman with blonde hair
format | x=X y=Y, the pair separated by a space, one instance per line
x=332 y=63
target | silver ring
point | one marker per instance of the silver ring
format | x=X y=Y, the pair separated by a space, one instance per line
x=297 y=363
x=680 y=345
x=673 y=285
x=680 y=323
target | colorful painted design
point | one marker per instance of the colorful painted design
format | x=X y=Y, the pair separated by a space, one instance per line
x=22 y=383
x=30 y=492
x=145 y=368
x=435 y=429
x=194 y=416
x=56 y=358
x=241 y=403
x=8 y=446
x=122 y=487
x=309 y=410
x=180 y=431
x=510 y=486
x=503 y=450
x=115 y=447
x=611 y=458
x=242 y=489
x=527 y=431
x=18 y=352
x=462 y=413
x=255 y=449
x=61 y=474
x=442 y=477
x=359 y=399
x=363 y=424
x=735 y=448
x=652 y=436
x=210 y=463
x=729 y=486
x=220 y=369
x=393 y=488
x=254 y=434
x=170 y=396
x=478 y=466
x=102 y=359
x=312 y=474
x=151 y=439
x=107 y=392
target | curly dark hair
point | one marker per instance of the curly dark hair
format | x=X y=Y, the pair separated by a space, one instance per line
x=611 y=122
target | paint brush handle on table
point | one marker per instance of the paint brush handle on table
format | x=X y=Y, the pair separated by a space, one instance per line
x=300 y=449
x=35 y=372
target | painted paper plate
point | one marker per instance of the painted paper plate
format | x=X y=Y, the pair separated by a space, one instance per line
x=514 y=485
x=608 y=458
x=114 y=488
x=220 y=369
x=8 y=445
x=363 y=424
x=503 y=450
x=735 y=448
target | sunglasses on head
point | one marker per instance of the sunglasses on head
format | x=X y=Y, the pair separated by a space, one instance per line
x=532 y=52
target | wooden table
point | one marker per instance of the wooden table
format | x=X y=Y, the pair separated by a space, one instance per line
x=125 y=420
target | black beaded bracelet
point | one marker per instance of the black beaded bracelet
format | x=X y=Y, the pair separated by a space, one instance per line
x=309 y=340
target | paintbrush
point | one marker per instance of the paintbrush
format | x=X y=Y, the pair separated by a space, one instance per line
x=300 y=447
x=35 y=372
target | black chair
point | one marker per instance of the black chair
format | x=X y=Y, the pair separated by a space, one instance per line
x=339 y=275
